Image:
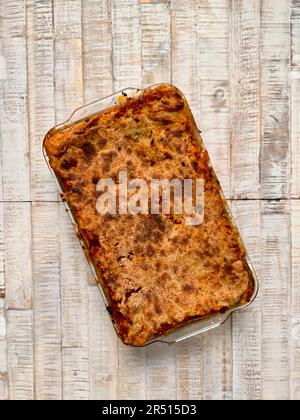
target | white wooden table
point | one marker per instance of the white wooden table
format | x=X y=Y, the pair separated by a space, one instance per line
x=238 y=62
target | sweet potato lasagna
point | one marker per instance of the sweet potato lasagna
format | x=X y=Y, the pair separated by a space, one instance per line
x=157 y=272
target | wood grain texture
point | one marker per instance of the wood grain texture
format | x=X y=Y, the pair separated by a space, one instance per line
x=245 y=97
x=295 y=204
x=68 y=58
x=3 y=348
x=189 y=369
x=3 y=370
x=47 y=312
x=212 y=26
x=275 y=292
x=73 y=270
x=295 y=34
x=161 y=372
x=13 y=104
x=17 y=255
x=20 y=354
x=41 y=103
x=97 y=49
x=14 y=122
x=295 y=301
x=126 y=55
x=2 y=256
x=75 y=373
x=295 y=98
x=103 y=350
x=275 y=99
x=156 y=45
x=247 y=325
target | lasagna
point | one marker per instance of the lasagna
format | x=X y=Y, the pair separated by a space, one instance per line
x=157 y=272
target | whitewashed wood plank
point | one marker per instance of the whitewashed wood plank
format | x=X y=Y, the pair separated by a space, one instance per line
x=275 y=64
x=213 y=59
x=2 y=276
x=68 y=77
x=161 y=372
x=74 y=273
x=126 y=43
x=247 y=376
x=246 y=324
x=3 y=370
x=246 y=214
x=295 y=204
x=245 y=98
x=97 y=49
x=203 y=366
x=17 y=255
x=3 y=348
x=13 y=122
x=67 y=18
x=20 y=354
x=295 y=134
x=40 y=53
x=156 y=43
x=75 y=373
x=184 y=45
x=12 y=18
x=126 y=56
x=2 y=320
x=295 y=303
x=217 y=362
x=275 y=292
x=73 y=269
x=295 y=34
x=189 y=369
x=131 y=383
x=47 y=313
x=103 y=350
x=295 y=98
x=2 y=82
x=68 y=58
x=13 y=103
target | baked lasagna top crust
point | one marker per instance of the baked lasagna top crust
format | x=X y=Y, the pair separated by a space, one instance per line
x=157 y=272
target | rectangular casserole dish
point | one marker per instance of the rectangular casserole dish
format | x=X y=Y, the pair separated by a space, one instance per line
x=160 y=280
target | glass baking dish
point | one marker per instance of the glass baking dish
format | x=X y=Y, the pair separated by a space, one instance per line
x=193 y=327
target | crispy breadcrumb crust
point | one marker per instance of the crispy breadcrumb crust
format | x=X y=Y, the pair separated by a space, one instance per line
x=157 y=272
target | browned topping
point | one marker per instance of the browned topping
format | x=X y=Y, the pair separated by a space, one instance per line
x=89 y=149
x=69 y=163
